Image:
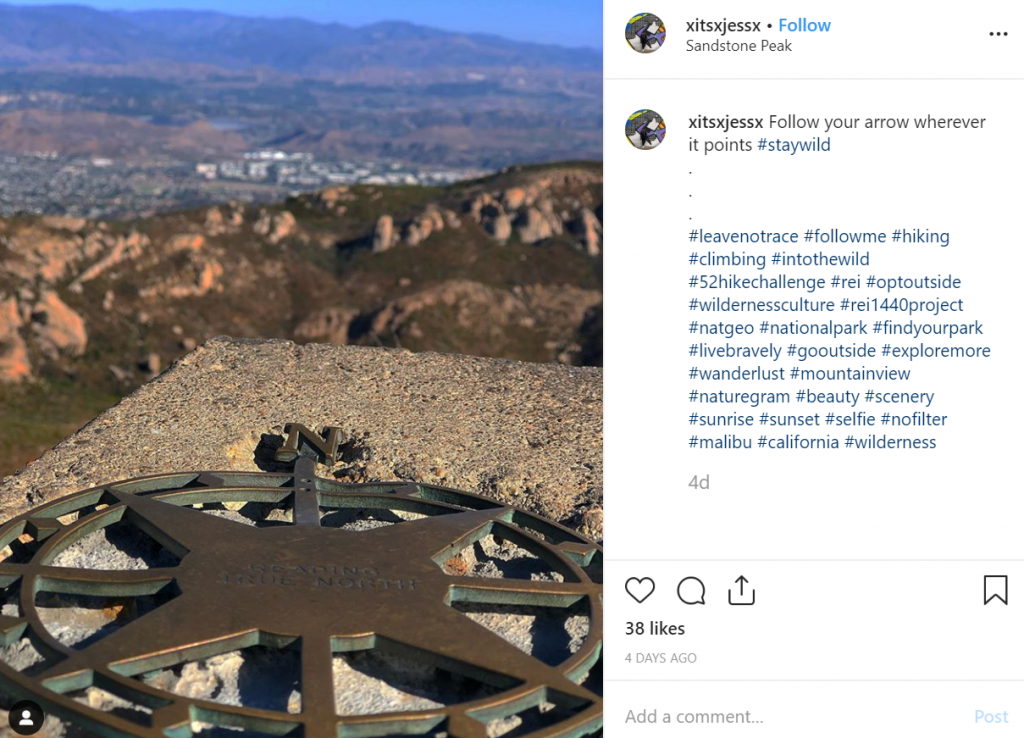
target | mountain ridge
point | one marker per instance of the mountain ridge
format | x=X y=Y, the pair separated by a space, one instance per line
x=76 y=33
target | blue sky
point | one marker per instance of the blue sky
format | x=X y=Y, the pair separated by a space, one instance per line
x=563 y=22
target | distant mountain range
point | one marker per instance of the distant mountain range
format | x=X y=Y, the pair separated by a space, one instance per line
x=196 y=85
x=69 y=34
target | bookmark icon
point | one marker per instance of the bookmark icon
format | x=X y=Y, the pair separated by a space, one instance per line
x=997 y=587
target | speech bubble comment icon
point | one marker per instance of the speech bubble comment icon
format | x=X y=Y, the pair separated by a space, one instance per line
x=691 y=591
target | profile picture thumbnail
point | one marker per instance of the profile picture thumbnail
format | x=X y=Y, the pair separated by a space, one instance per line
x=645 y=129
x=645 y=33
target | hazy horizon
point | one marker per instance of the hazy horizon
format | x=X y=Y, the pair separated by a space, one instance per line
x=570 y=23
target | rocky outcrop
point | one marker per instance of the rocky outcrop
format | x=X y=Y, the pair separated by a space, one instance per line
x=215 y=223
x=384 y=234
x=475 y=205
x=14 y=361
x=335 y=199
x=201 y=276
x=542 y=208
x=38 y=253
x=275 y=228
x=124 y=248
x=422 y=226
x=330 y=325
x=57 y=329
x=486 y=315
x=470 y=300
x=186 y=242
x=496 y=222
x=151 y=364
x=587 y=227
x=224 y=220
x=206 y=280
x=538 y=211
x=415 y=231
x=451 y=219
x=514 y=198
x=71 y=247
x=533 y=225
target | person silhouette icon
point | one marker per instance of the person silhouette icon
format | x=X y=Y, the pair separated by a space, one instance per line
x=25 y=718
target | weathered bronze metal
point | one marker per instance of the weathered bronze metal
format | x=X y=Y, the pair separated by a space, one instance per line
x=301 y=441
x=306 y=585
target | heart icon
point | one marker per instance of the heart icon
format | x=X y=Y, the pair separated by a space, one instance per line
x=640 y=589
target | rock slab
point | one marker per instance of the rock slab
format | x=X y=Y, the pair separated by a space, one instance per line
x=524 y=434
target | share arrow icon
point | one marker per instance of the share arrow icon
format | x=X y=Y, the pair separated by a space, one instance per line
x=741 y=599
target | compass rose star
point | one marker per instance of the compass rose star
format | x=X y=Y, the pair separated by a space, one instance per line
x=319 y=589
